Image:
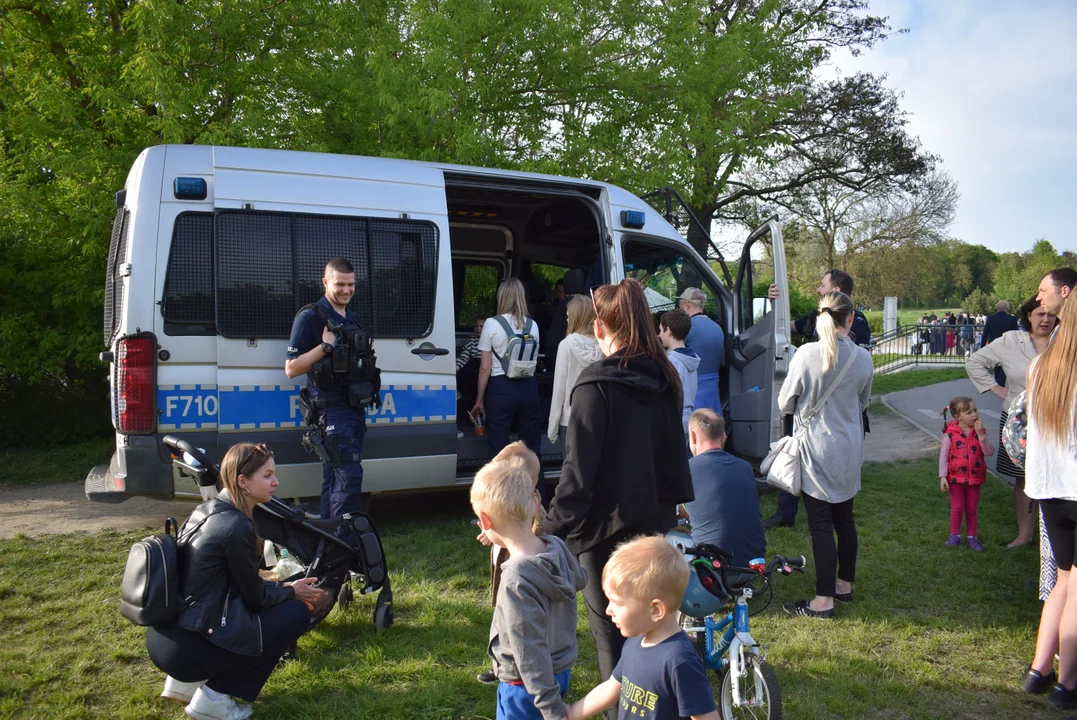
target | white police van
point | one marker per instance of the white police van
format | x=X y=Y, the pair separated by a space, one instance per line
x=215 y=249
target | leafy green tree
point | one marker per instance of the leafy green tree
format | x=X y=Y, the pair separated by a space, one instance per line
x=979 y=303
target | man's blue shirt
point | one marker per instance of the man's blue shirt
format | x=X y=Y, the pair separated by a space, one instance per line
x=726 y=509
x=707 y=340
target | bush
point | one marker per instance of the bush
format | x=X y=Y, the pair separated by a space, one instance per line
x=979 y=303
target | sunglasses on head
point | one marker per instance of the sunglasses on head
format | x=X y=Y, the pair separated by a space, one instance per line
x=259 y=452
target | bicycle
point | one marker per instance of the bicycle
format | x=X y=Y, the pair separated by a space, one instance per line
x=726 y=645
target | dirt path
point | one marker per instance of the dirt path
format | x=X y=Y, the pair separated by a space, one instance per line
x=892 y=437
x=63 y=508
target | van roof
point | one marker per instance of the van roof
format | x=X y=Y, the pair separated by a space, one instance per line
x=348 y=166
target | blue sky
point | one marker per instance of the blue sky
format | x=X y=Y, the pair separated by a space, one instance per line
x=991 y=87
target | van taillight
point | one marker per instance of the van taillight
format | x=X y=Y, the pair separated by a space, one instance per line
x=135 y=389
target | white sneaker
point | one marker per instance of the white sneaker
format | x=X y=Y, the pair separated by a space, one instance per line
x=180 y=691
x=202 y=708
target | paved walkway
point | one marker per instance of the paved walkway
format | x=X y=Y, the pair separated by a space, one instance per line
x=923 y=407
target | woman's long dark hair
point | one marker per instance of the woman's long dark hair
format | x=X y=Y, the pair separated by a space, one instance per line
x=623 y=311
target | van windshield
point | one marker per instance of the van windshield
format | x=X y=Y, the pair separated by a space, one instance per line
x=665 y=272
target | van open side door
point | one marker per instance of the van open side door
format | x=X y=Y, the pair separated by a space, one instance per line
x=761 y=348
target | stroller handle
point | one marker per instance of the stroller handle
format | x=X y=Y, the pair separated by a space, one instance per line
x=185 y=447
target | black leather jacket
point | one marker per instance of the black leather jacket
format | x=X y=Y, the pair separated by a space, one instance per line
x=218 y=569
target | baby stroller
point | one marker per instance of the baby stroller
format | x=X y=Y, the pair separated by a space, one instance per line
x=340 y=551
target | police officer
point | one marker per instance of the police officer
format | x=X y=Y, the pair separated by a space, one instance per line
x=321 y=352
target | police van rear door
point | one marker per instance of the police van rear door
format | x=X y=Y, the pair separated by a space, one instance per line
x=761 y=349
x=279 y=217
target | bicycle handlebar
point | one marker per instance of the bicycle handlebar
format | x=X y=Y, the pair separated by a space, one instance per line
x=784 y=565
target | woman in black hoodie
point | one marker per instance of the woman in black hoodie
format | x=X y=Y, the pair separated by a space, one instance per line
x=626 y=467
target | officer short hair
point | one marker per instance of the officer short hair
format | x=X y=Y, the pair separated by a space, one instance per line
x=340 y=265
x=843 y=280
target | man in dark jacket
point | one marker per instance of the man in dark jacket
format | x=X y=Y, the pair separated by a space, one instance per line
x=995 y=326
x=625 y=470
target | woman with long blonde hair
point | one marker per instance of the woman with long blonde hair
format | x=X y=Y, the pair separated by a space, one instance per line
x=508 y=392
x=578 y=350
x=1051 y=478
x=832 y=448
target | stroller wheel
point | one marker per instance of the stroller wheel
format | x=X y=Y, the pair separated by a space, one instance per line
x=383 y=616
x=344 y=597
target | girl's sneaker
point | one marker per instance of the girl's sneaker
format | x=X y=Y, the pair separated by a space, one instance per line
x=954 y=541
x=974 y=544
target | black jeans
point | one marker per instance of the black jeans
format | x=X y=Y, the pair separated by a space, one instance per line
x=824 y=521
x=787 y=506
x=608 y=639
x=190 y=657
x=514 y=405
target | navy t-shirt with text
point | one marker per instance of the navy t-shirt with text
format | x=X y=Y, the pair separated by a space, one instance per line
x=663 y=682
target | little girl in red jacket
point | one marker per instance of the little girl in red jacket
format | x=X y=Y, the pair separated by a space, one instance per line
x=963 y=467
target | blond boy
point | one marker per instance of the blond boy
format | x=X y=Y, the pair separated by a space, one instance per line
x=533 y=631
x=660 y=676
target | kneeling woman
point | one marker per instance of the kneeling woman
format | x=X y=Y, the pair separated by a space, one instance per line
x=237 y=627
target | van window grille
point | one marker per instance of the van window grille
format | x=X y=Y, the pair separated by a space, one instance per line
x=268 y=265
x=255 y=275
x=476 y=284
x=189 y=295
x=117 y=258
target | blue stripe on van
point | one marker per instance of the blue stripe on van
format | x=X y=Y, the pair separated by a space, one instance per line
x=262 y=407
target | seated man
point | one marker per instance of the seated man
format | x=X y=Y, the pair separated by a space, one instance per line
x=726 y=509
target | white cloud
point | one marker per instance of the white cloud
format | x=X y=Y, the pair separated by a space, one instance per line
x=992 y=89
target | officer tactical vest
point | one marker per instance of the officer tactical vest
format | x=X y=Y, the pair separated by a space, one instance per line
x=351 y=369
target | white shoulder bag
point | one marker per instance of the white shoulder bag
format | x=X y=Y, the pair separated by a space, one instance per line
x=781 y=466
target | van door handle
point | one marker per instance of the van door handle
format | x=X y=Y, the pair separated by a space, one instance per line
x=430 y=351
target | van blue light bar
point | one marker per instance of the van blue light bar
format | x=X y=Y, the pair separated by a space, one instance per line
x=633 y=218
x=189 y=188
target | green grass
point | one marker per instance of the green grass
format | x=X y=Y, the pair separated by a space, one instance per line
x=907 y=379
x=934 y=632
x=40 y=466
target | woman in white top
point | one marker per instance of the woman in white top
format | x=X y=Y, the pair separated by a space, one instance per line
x=509 y=402
x=1051 y=477
x=833 y=447
x=1013 y=352
x=578 y=350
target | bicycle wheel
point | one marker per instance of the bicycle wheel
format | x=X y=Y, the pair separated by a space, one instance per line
x=760 y=697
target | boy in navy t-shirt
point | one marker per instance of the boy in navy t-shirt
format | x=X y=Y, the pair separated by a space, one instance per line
x=660 y=675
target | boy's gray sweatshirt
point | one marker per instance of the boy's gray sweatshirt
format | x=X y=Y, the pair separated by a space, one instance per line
x=686 y=363
x=533 y=633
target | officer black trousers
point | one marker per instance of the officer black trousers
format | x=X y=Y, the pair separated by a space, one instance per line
x=342 y=487
x=189 y=657
x=514 y=405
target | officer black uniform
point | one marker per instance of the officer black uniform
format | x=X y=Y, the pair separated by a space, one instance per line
x=339 y=400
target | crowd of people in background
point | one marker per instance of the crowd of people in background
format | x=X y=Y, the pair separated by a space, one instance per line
x=951 y=333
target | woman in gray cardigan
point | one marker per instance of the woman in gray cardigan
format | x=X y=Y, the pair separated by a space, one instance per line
x=1013 y=352
x=832 y=450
